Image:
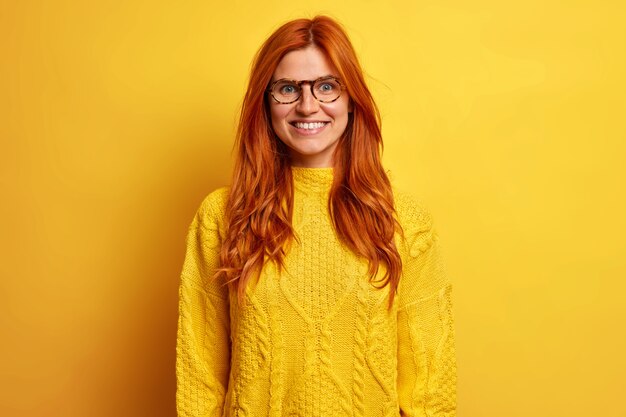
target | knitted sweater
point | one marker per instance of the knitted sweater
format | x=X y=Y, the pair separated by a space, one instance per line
x=316 y=339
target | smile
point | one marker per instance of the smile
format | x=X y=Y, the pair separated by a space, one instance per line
x=309 y=126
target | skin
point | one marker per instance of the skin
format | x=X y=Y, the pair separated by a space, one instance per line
x=309 y=148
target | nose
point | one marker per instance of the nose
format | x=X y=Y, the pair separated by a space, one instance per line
x=307 y=104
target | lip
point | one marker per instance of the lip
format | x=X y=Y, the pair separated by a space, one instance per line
x=308 y=132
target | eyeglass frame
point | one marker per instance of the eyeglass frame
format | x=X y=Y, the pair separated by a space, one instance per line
x=311 y=84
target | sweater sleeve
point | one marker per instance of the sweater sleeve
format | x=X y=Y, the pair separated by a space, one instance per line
x=203 y=337
x=426 y=349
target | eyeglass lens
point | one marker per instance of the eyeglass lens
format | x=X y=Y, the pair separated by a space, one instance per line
x=324 y=90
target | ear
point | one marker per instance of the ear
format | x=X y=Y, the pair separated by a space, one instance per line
x=350 y=106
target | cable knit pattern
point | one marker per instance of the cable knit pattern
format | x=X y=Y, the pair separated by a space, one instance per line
x=360 y=336
x=276 y=378
x=317 y=338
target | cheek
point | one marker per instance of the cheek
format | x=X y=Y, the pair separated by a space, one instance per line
x=340 y=112
x=277 y=117
x=342 y=107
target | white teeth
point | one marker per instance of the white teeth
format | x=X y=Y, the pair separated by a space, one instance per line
x=315 y=125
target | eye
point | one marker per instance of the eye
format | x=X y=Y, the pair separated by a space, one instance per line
x=327 y=87
x=287 y=89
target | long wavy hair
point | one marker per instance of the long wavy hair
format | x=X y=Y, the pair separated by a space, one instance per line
x=260 y=202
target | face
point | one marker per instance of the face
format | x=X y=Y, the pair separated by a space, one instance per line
x=310 y=129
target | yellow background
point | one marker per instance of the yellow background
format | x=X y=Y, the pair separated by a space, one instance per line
x=506 y=118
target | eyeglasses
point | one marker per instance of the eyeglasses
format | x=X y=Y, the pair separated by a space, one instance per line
x=324 y=89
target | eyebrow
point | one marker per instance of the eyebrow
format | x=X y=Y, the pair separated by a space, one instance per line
x=293 y=79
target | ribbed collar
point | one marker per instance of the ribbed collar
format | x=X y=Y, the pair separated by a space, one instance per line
x=312 y=180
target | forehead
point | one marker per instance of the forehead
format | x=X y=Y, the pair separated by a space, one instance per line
x=304 y=64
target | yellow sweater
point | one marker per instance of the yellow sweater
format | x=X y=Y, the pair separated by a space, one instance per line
x=317 y=339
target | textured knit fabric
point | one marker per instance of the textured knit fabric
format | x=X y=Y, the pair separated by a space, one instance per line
x=316 y=339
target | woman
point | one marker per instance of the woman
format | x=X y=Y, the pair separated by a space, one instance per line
x=310 y=287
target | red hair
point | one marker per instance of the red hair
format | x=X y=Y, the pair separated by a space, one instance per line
x=260 y=203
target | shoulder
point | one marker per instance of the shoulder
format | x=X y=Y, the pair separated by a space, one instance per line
x=211 y=212
x=214 y=204
x=204 y=238
x=412 y=213
x=416 y=220
x=423 y=270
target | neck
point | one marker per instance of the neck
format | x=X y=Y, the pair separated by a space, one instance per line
x=312 y=180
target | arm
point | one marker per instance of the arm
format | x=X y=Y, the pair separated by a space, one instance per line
x=426 y=351
x=203 y=338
